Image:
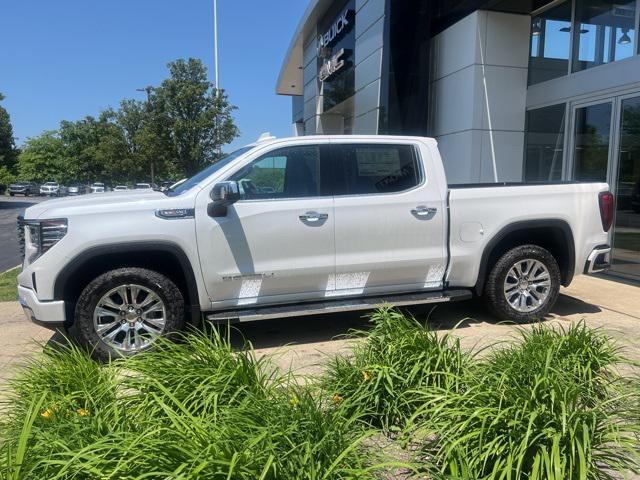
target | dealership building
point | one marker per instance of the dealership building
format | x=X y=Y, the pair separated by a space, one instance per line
x=513 y=90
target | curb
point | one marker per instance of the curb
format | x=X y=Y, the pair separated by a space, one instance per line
x=9 y=269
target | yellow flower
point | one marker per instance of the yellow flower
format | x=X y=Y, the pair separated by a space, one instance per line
x=366 y=376
x=83 y=412
x=47 y=414
x=294 y=401
x=337 y=399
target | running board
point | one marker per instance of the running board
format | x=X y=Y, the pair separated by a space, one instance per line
x=335 y=306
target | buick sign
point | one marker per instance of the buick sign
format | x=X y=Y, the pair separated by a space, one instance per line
x=338 y=26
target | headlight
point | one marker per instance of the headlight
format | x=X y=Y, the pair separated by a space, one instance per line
x=38 y=236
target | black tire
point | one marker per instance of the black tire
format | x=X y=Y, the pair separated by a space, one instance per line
x=494 y=287
x=11 y=194
x=83 y=331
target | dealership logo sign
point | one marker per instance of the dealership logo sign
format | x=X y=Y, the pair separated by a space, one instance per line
x=331 y=66
x=336 y=29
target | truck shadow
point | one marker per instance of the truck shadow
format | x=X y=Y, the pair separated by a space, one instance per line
x=325 y=328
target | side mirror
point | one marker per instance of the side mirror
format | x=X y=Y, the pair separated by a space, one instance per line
x=223 y=194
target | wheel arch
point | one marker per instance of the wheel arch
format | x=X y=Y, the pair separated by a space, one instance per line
x=554 y=235
x=166 y=258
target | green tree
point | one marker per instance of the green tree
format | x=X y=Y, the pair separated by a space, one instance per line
x=8 y=151
x=197 y=117
x=43 y=159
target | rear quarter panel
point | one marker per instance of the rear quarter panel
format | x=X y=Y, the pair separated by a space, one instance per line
x=477 y=215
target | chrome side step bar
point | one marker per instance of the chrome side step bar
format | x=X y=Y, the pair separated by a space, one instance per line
x=335 y=306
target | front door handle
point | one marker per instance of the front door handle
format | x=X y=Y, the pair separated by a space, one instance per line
x=314 y=217
x=423 y=211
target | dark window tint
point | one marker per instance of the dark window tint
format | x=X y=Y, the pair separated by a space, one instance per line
x=290 y=172
x=366 y=169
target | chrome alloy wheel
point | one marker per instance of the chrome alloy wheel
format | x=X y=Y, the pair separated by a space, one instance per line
x=129 y=318
x=527 y=285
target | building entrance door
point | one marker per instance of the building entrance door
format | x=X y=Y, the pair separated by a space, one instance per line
x=626 y=235
x=605 y=147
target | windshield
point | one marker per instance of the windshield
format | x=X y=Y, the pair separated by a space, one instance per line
x=51 y=184
x=207 y=172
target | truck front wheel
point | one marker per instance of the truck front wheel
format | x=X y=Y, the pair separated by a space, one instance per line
x=124 y=311
x=523 y=284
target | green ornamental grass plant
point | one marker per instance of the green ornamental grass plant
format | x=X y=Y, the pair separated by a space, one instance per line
x=398 y=357
x=549 y=407
x=190 y=410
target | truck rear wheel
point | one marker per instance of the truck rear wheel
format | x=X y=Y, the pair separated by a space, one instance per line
x=124 y=311
x=524 y=284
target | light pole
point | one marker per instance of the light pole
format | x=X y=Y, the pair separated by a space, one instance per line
x=148 y=90
x=216 y=71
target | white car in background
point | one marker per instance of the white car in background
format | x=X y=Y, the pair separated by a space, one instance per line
x=98 y=187
x=143 y=186
x=52 y=189
x=120 y=188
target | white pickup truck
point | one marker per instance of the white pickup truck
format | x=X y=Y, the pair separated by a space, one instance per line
x=302 y=226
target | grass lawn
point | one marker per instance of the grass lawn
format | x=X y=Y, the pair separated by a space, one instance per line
x=8 y=282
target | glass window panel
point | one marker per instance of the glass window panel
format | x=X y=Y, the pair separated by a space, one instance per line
x=375 y=168
x=606 y=32
x=290 y=172
x=591 y=150
x=550 y=40
x=544 y=144
x=626 y=239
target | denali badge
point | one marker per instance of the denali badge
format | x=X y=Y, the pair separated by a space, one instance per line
x=256 y=276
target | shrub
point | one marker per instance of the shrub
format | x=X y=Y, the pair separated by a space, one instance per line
x=549 y=407
x=398 y=357
x=189 y=410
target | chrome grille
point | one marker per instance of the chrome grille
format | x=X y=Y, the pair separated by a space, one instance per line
x=20 y=226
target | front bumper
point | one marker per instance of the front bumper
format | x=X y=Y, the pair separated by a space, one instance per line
x=50 y=314
x=598 y=260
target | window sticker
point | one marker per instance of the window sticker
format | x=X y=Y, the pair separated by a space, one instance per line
x=376 y=162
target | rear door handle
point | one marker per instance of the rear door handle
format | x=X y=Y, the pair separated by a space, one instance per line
x=313 y=217
x=423 y=211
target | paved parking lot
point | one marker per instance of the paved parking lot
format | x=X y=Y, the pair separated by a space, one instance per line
x=304 y=343
x=10 y=208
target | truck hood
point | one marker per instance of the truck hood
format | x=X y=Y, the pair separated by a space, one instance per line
x=97 y=203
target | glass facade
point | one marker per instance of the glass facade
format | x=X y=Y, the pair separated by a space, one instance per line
x=626 y=240
x=550 y=44
x=592 y=135
x=544 y=144
x=606 y=32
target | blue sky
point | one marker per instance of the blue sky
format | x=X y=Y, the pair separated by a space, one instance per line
x=65 y=59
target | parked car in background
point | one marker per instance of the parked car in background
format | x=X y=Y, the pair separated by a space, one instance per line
x=53 y=189
x=143 y=186
x=77 y=189
x=23 y=188
x=98 y=187
x=120 y=188
x=326 y=223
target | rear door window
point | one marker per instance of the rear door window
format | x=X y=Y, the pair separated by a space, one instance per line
x=364 y=169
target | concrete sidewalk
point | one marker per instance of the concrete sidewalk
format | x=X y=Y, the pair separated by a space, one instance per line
x=304 y=343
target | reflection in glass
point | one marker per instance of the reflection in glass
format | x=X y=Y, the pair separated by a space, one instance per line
x=607 y=32
x=549 y=54
x=544 y=142
x=626 y=239
x=592 y=132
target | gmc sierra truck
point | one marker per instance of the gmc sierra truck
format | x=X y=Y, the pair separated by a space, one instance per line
x=302 y=226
